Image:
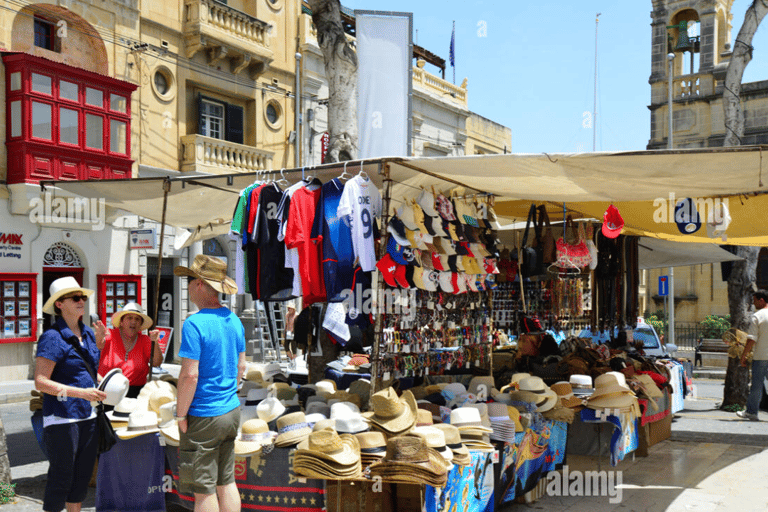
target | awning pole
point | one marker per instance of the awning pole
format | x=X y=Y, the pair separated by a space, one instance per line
x=378 y=335
x=166 y=189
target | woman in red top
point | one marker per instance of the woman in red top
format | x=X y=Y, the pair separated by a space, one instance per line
x=130 y=350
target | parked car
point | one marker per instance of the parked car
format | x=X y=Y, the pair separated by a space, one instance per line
x=652 y=345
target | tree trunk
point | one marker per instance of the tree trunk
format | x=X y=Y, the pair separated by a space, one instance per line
x=743 y=274
x=341 y=70
x=5 y=464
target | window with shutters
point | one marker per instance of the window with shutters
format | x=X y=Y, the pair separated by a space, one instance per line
x=220 y=120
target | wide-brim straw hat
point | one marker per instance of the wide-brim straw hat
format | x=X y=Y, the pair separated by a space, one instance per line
x=254 y=434
x=132 y=308
x=292 y=429
x=139 y=423
x=648 y=386
x=115 y=385
x=435 y=439
x=158 y=398
x=373 y=445
x=453 y=441
x=581 y=384
x=171 y=433
x=565 y=392
x=410 y=460
x=211 y=270
x=535 y=391
x=152 y=386
x=468 y=418
x=270 y=409
x=60 y=287
x=392 y=413
x=332 y=448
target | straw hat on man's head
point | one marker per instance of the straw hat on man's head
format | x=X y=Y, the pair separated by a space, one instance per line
x=132 y=308
x=211 y=270
x=61 y=287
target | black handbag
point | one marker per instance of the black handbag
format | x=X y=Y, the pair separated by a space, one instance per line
x=531 y=264
x=107 y=436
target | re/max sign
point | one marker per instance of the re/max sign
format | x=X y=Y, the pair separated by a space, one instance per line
x=11 y=239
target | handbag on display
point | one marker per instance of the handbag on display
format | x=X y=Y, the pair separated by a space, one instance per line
x=530 y=324
x=574 y=252
x=531 y=264
x=547 y=240
x=592 y=247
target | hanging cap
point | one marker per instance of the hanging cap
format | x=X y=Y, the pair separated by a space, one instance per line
x=687 y=217
x=612 y=222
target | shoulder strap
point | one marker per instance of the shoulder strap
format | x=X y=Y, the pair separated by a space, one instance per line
x=531 y=219
x=88 y=366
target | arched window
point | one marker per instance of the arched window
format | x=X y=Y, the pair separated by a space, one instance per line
x=61 y=254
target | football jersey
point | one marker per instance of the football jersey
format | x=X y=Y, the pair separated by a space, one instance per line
x=291 y=255
x=275 y=281
x=298 y=230
x=336 y=238
x=252 y=263
x=361 y=203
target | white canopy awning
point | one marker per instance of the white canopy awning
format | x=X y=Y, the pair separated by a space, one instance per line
x=655 y=253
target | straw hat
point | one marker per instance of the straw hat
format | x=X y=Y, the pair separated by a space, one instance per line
x=167 y=414
x=394 y=415
x=211 y=270
x=514 y=383
x=139 y=424
x=361 y=388
x=253 y=375
x=253 y=435
x=581 y=384
x=247 y=386
x=171 y=433
x=610 y=393
x=328 y=424
x=152 y=386
x=373 y=445
x=122 y=410
x=270 y=409
x=158 y=398
x=535 y=391
x=468 y=418
x=313 y=418
x=327 y=386
x=133 y=309
x=435 y=439
x=475 y=386
x=344 y=396
x=318 y=408
x=115 y=385
x=649 y=386
x=410 y=460
x=424 y=418
x=514 y=415
x=327 y=445
x=452 y=437
x=291 y=429
x=565 y=392
x=63 y=286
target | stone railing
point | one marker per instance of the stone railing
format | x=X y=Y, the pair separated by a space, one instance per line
x=688 y=86
x=210 y=18
x=217 y=156
x=429 y=81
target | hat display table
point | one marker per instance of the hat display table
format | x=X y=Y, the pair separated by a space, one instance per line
x=131 y=476
x=655 y=423
x=266 y=482
x=621 y=429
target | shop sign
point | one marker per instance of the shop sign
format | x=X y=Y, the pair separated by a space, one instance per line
x=143 y=239
x=11 y=245
x=324 y=140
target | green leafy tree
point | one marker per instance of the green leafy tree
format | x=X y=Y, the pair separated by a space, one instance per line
x=713 y=326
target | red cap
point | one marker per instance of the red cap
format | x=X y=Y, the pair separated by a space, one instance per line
x=436 y=262
x=401 y=277
x=612 y=222
x=388 y=267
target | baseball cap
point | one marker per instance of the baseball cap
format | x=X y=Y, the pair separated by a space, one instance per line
x=612 y=222
x=397 y=229
x=436 y=223
x=445 y=281
x=406 y=215
x=395 y=250
x=471 y=283
x=687 y=217
x=471 y=266
x=427 y=202
x=455 y=264
x=387 y=266
x=437 y=262
x=490 y=267
x=418 y=278
x=431 y=279
x=444 y=207
x=409 y=276
x=459 y=282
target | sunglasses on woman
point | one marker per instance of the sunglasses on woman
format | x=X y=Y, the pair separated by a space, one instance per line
x=78 y=298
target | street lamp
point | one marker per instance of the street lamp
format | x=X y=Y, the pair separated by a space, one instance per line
x=671 y=59
x=671 y=293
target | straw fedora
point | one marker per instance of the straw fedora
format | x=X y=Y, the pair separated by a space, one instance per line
x=327 y=424
x=158 y=398
x=393 y=414
x=270 y=409
x=581 y=384
x=211 y=270
x=167 y=414
x=452 y=436
x=610 y=393
x=115 y=385
x=171 y=433
x=327 y=445
x=63 y=286
x=424 y=418
x=254 y=376
x=247 y=386
x=326 y=385
x=534 y=390
x=648 y=386
x=565 y=392
x=475 y=387
x=253 y=435
x=139 y=423
x=468 y=418
x=373 y=445
x=122 y=410
x=318 y=408
x=132 y=308
x=348 y=418
x=292 y=429
x=435 y=439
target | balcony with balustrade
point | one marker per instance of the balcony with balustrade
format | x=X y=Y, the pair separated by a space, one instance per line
x=218 y=156
x=227 y=35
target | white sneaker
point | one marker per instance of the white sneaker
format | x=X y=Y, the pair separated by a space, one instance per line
x=747 y=416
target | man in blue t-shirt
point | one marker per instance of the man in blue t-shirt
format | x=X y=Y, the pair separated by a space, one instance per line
x=212 y=363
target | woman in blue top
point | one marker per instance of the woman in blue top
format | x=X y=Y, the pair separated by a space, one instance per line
x=70 y=433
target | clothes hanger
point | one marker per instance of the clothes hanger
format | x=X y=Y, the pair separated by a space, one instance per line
x=282 y=181
x=362 y=173
x=345 y=175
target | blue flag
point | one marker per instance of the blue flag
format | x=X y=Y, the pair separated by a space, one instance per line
x=452 y=50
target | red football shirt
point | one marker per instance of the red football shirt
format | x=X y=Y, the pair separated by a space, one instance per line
x=298 y=232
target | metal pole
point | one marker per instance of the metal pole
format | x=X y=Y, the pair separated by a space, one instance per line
x=297 y=113
x=594 y=108
x=671 y=296
x=166 y=189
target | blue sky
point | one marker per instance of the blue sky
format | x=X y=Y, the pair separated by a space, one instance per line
x=530 y=65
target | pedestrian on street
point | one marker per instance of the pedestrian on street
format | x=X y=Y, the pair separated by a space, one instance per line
x=212 y=356
x=64 y=353
x=757 y=337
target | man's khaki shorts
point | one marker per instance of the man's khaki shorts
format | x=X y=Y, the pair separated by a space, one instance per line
x=207 y=452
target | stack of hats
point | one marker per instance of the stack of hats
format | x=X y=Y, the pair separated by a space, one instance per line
x=391 y=414
x=373 y=447
x=325 y=454
x=533 y=390
x=140 y=422
x=461 y=456
x=291 y=429
x=119 y=415
x=565 y=391
x=36 y=402
x=409 y=460
x=254 y=434
x=581 y=384
x=473 y=433
x=612 y=392
x=435 y=439
x=348 y=418
x=503 y=427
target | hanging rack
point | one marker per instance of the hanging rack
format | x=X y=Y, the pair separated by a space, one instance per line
x=344 y=175
x=283 y=181
x=362 y=173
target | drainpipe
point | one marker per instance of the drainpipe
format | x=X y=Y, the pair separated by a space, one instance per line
x=297 y=112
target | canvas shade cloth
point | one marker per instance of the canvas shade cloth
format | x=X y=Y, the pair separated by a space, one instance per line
x=587 y=183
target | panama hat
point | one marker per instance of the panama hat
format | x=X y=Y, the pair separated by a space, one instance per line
x=211 y=270
x=115 y=385
x=327 y=386
x=327 y=424
x=171 y=433
x=60 y=287
x=292 y=429
x=247 y=386
x=253 y=435
x=468 y=418
x=534 y=390
x=270 y=409
x=452 y=437
x=581 y=384
x=139 y=423
x=435 y=439
x=373 y=446
x=152 y=386
x=133 y=309
x=167 y=414
x=122 y=410
x=565 y=392
x=158 y=398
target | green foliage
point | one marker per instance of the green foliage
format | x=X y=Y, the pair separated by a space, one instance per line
x=7 y=493
x=659 y=321
x=713 y=326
